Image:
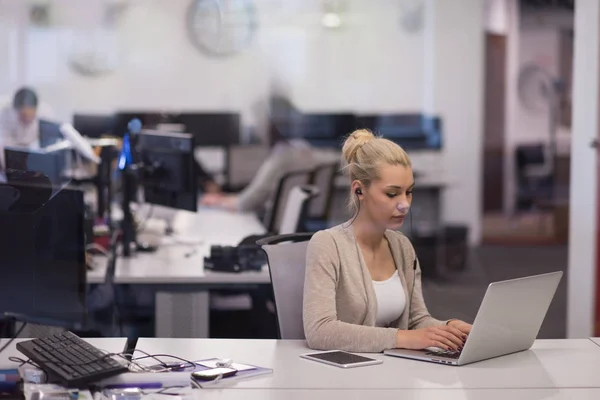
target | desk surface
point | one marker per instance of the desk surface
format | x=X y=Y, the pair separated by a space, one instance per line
x=180 y=260
x=554 y=369
x=406 y=394
x=596 y=340
x=549 y=364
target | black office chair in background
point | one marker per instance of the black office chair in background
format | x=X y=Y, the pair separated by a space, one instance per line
x=317 y=217
x=275 y=214
x=534 y=176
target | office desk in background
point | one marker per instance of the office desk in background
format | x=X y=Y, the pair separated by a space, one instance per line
x=176 y=272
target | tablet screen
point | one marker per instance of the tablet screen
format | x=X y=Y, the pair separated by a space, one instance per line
x=340 y=357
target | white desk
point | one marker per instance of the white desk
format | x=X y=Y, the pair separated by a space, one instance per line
x=552 y=369
x=596 y=340
x=176 y=270
x=183 y=263
x=403 y=394
x=549 y=364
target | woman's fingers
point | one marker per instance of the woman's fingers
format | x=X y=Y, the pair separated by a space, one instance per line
x=455 y=340
x=458 y=333
x=447 y=343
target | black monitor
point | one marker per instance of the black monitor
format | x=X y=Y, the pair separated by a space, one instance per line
x=49 y=133
x=321 y=130
x=94 y=126
x=51 y=164
x=42 y=251
x=411 y=131
x=168 y=165
x=148 y=119
x=211 y=129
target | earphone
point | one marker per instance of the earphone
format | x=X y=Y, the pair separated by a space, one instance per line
x=358 y=191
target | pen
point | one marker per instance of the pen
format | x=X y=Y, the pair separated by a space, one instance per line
x=141 y=385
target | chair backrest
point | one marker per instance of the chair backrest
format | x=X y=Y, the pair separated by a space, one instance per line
x=243 y=162
x=323 y=179
x=286 y=255
x=275 y=215
x=295 y=207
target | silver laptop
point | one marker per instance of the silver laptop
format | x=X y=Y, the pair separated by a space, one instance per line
x=508 y=321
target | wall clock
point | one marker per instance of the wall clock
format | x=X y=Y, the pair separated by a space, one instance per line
x=222 y=27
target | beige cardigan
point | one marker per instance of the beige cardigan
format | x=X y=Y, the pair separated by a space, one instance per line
x=340 y=304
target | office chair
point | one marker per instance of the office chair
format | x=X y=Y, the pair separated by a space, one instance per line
x=318 y=212
x=243 y=162
x=275 y=215
x=293 y=214
x=296 y=205
x=535 y=175
x=286 y=256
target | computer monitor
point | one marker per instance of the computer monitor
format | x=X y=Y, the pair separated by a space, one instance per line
x=211 y=129
x=49 y=133
x=167 y=162
x=42 y=256
x=52 y=164
x=94 y=126
x=320 y=130
x=148 y=119
x=412 y=131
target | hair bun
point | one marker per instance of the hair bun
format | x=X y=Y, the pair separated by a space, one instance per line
x=354 y=142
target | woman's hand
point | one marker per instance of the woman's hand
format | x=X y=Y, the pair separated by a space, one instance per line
x=462 y=326
x=446 y=337
x=211 y=199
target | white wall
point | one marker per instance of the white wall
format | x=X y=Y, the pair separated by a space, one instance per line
x=459 y=52
x=370 y=64
x=583 y=215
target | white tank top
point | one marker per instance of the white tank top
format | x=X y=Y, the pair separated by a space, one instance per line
x=391 y=300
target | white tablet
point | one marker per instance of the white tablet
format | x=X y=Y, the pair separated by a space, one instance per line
x=341 y=359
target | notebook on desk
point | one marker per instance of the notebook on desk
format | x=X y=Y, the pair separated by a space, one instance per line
x=508 y=321
x=182 y=378
x=244 y=371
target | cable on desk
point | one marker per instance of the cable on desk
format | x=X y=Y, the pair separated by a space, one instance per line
x=22 y=362
x=156 y=357
x=13 y=338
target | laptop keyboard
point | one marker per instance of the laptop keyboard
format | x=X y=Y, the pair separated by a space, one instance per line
x=447 y=353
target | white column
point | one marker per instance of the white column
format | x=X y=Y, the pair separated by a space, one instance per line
x=511 y=103
x=583 y=231
x=429 y=58
x=458 y=99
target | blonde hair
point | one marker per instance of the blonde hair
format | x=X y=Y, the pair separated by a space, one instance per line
x=364 y=154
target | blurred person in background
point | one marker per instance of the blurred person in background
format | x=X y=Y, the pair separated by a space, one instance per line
x=19 y=121
x=286 y=156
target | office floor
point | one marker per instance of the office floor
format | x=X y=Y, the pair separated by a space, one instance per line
x=460 y=297
x=533 y=228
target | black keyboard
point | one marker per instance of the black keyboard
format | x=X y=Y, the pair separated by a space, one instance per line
x=70 y=360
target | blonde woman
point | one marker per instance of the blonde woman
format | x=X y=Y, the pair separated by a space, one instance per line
x=363 y=282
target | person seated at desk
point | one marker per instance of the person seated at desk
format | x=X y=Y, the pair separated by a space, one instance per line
x=206 y=181
x=288 y=155
x=20 y=123
x=362 y=290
